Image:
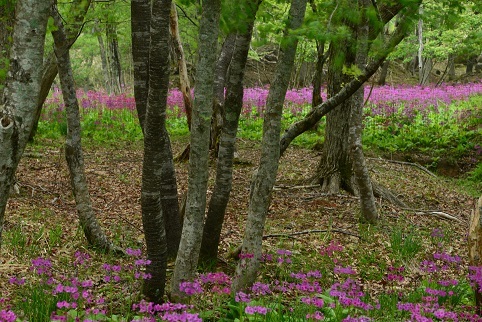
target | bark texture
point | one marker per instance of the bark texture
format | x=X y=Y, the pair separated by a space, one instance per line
x=156 y=153
x=73 y=147
x=187 y=257
x=265 y=177
x=221 y=72
x=224 y=170
x=362 y=177
x=141 y=16
x=21 y=90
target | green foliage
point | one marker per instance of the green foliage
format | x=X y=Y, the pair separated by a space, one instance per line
x=405 y=245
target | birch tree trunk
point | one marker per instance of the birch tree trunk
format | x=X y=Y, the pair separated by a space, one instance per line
x=73 y=147
x=263 y=181
x=224 y=170
x=21 y=90
x=362 y=177
x=156 y=153
x=187 y=257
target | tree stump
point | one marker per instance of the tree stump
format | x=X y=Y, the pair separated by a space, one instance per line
x=475 y=250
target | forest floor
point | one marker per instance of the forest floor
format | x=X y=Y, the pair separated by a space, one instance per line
x=114 y=173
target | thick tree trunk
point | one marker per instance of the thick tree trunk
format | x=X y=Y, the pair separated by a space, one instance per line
x=21 y=90
x=187 y=257
x=224 y=170
x=73 y=148
x=221 y=71
x=184 y=84
x=362 y=177
x=263 y=181
x=475 y=249
x=140 y=13
x=156 y=152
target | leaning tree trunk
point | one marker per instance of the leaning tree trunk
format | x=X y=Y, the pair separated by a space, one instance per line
x=156 y=152
x=362 y=177
x=263 y=182
x=187 y=257
x=140 y=13
x=224 y=170
x=73 y=148
x=21 y=90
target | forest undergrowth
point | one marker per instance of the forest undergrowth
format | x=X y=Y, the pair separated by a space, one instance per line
x=319 y=262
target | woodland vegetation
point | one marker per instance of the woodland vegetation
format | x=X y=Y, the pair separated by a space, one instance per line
x=243 y=160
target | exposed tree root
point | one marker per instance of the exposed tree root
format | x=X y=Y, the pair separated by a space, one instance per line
x=184 y=155
x=382 y=192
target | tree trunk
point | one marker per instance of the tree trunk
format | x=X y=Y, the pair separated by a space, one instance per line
x=451 y=66
x=7 y=15
x=113 y=59
x=221 y=71
x=224 y=170
x=470 y=64
x=140 y=13
x=103 y=58
x=263 y=181
x=382 y=79
x=73 y=148
x=475 y=249
x=362 y=177
x=21 y=90
x=331 y=103
x=184 y=84
x=318 y=77
x=157 y=154
x=187 y=257
x=49 y=69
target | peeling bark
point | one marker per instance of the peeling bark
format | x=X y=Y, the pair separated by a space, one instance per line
x=265 y=177
x=187 y=257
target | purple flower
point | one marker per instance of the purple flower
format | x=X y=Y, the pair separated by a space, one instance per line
x=256 y=309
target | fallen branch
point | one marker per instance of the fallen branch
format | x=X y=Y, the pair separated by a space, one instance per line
x=278 y=188
x=314 y=231
x=407 y=163
x=437 y=213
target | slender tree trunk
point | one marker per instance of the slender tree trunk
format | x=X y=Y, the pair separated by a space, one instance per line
x=141 y=14
x=185 y=86
x=103 y=58
x=263 y=181
x=187 y=257
x=113 y=58
x=318 y=77
x=383 y=73
x=73 y=148
x=21 y=90
x=451 y=66
x=362 y=177
x=156 y=155
x=49 y=69
x=221 y=71
x=224 y=171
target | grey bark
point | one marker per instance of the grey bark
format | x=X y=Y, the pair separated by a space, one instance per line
x=362 y=177
x=221 y=71
x=187 y=257
x=156 y=151
x=141 y=16
x=224 y=169
x=113 y=58
x=73 y=147
x=265 y=177
x=330 y=104
x=7 y=15
x=21 y=90
x=103 y=58
x=383 y=73
x=49 y=69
